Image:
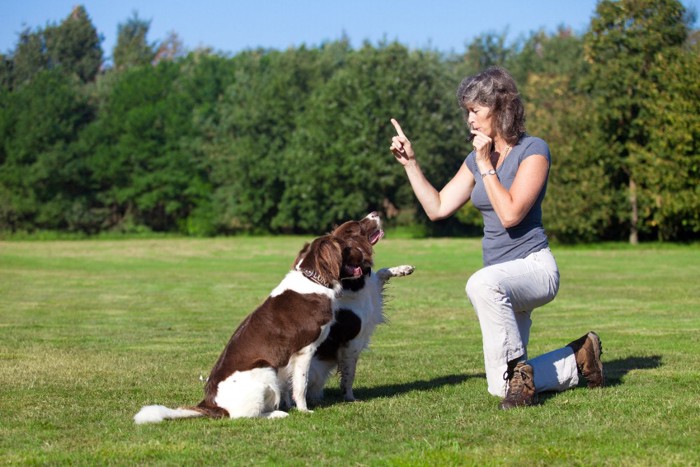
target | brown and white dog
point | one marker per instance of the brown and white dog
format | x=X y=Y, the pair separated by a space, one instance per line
x=359 y=309
x=274 y=345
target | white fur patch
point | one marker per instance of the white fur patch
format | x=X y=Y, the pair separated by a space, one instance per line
x=158 y=413
x=366 y=303
x=252 y=393
x=297 y=282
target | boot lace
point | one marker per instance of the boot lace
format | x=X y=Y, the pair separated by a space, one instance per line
x=519 y=384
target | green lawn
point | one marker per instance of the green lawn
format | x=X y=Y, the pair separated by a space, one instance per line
x=92 y=330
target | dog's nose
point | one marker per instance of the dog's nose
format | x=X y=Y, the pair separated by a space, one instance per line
x=373 y=214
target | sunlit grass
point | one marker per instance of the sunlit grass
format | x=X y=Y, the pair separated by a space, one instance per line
x=92 y=330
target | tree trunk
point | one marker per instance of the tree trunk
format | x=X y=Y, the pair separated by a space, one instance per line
x=634 y=219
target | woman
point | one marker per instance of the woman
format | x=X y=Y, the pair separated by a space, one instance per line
x=505 y=177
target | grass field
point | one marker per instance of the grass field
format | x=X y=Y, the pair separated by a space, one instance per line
x=92 y=330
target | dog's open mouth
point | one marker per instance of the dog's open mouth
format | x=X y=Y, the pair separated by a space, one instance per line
x=376 y=236
x=352 y=272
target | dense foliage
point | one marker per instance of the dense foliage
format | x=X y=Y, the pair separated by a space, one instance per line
x=294 y=141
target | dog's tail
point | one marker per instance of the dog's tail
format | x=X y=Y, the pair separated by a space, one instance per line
x=158 y=413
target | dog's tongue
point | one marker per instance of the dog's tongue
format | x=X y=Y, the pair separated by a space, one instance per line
x=376 y=236
x=356 y=271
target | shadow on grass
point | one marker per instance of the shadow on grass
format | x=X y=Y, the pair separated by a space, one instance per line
x=615 y=370
x=333 y=394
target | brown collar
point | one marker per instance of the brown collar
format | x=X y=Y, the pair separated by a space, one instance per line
x=313 y=276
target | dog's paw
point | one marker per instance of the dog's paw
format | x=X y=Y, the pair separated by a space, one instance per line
x=276 y=414
x=397 y=271
x=403 y=270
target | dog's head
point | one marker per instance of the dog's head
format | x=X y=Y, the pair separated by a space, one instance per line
x=369 y=227
x=330 y=259
x=361 y=235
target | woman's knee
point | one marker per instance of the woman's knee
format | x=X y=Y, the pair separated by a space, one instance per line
x=477 y=286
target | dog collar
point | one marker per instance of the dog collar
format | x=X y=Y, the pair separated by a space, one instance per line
x=314 y=277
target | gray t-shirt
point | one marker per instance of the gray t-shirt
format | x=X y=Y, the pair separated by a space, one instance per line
x=501 y=244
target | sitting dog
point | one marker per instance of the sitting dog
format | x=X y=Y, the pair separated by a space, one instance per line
x=359 y=311
x=274 y=345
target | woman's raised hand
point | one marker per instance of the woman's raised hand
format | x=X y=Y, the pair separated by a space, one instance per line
x=483 y=146
x=401 y=146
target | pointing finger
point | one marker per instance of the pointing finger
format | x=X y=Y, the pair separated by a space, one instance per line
x=397 y=127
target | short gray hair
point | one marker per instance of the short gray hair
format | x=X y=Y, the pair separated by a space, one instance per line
x=495 y=88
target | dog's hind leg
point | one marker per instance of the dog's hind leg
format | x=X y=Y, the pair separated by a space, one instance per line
x=397 y=271
x=272 y=401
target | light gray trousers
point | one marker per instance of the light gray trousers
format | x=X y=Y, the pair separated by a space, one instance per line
x=503 y=296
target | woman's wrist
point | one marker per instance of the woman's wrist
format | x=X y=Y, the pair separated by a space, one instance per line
x=411 y=164
x=484 y=167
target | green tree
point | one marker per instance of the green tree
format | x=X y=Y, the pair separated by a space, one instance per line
x=5 y=72
x=558 y=54
x=487 y=50
x=140 y=169
x=132 y=48
x=667 y=169
x=257 y=119
x=74 y=45
x=172 y=48
x=338 y=165
x=42 y=181
x=203 y=79
x=579 y=202
x=29 y=57
x=626 y=42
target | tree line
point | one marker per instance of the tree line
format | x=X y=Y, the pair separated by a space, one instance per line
x=267 y=141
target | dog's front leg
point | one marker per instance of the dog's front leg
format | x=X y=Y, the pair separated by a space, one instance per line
x=397 y=271
x=347 y=364
x=284 y=381
x=300 y=363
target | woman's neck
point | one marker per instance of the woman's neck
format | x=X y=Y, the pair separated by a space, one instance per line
x=500 y=145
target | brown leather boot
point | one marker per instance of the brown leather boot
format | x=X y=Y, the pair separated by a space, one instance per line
x=588 y=350
x=521 y=387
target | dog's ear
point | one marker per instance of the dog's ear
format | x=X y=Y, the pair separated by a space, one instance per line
x=330 y=259
x=300 y=256
x=325 y=257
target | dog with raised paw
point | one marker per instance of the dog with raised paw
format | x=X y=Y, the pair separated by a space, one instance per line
x=359 y=310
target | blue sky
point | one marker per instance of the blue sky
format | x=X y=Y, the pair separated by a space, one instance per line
x=235 y=25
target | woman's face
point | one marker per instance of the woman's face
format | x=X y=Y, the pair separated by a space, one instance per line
x=479 y=119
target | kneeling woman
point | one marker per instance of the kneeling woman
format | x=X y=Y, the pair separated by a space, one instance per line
x=505 y=177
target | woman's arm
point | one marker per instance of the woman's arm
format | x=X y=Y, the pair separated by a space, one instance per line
x=437 y=205
x=442 y=204
x=512 y=205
